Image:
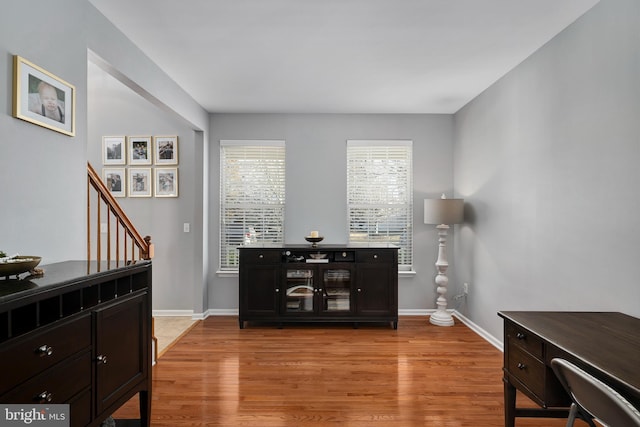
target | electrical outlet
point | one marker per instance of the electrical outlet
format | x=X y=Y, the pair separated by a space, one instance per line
x=103 y=227
x=186 y=227
x=465 y=288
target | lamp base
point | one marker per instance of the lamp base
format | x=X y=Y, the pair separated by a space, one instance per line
x=441 y=318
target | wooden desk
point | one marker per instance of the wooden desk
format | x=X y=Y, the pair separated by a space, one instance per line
x=607 y=345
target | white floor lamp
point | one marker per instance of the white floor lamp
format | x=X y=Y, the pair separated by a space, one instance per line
x=442 y=212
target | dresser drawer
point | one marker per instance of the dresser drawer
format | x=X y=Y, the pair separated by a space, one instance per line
x=527 y=369
x=261 y=257
x=55 y=385
x=343 y=256
x=521 y=337
x=374 y=256
x=36 y=352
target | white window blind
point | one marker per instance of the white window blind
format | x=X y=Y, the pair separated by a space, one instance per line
x=380 y=195
x=252 y=196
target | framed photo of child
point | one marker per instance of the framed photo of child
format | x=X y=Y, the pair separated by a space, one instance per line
x=43 y=99
x=166 y=150
x=139 y=149
x=165 y=182
x=139 y=182
x=114 y=179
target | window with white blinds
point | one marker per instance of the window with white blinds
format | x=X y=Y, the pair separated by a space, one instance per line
x=252 y=196
x=380 y=195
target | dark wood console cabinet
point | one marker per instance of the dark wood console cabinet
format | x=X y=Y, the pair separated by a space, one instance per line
x=79 y=335
x=348 y=284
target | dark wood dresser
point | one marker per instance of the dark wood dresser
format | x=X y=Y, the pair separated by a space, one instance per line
x=330 y=283
x=605 y=344
x=79 y=335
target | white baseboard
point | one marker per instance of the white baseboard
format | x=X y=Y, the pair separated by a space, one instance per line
x=406 y=312
x=234 y=312
x=475 y=328
x=478 y=330
x=172 y=313
x=415 y=312
x=222 y=312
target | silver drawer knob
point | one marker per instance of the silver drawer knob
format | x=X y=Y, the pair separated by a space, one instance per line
x=520 y=336
x=102 y=359
x=45 y=397
x=521 y=366
x=44 y=350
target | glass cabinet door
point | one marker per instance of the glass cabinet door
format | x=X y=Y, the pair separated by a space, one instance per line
x=336 y=295
x=299 y=291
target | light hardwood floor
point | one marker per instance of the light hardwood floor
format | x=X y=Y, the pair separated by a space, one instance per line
x=329 y=375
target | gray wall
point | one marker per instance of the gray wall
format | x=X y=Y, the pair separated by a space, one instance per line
x=114 y=53
x=316 y=183
x=114 y=109
x=548 y=160
x=42 y=172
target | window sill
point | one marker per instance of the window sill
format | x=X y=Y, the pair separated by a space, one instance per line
x=406 y=273
x=226 y=273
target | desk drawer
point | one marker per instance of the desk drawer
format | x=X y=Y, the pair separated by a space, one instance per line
x=527 y=369
x=55 y=385
x=521 y=337
x=39 y=351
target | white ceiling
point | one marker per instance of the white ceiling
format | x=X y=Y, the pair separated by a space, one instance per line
x=339 y=56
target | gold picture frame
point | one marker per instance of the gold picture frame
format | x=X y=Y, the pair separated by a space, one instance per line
x=115 y=180
x=114 y=150
x=139 y=182
x=165 y=183
x=42 y=98
x=139 y=150
x=165 y=150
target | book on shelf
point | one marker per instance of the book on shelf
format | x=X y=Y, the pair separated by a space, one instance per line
x=340 y=305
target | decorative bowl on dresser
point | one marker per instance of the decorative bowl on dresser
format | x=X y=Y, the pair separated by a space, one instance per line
x=16 y=265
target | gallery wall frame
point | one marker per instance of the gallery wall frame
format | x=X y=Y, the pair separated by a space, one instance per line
x=166 y=150
x=139 y=182
x=114 y=150
x=140 y=150
x=115 y=180
x=165 y=182
x=41 y=98
x=132 y=152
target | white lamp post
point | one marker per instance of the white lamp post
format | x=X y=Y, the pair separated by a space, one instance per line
x=442 y=212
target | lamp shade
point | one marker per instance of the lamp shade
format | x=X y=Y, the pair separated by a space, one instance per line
x=443 y=211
